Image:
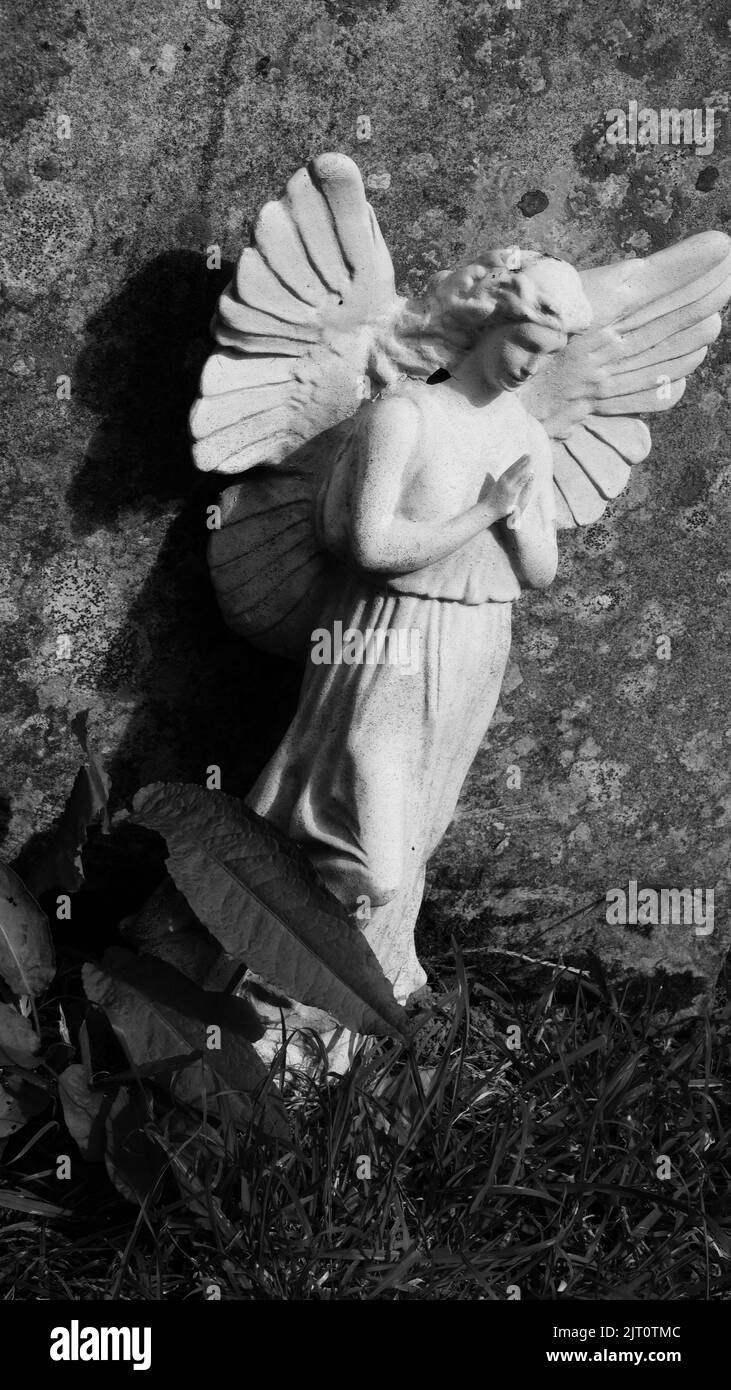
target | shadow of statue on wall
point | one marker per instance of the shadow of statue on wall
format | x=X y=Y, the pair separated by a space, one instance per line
x=200 y=695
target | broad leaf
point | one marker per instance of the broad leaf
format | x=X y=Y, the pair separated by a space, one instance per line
x=84 y=1112
x=59 y=865
x=151 y=1031
x=27 y=961
x=167 y=927
x=19 y=1043
x=161 y=983
x=134 y=1162
x=102 y=1054
x=259 y=895
x=20 y=1103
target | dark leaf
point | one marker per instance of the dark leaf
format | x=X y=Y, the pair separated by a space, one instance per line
x=261 y=898
x=151 y=1031
x=19 y=1103
x=60 y=865
x=134 y=1162
x=27 y=962
x=84 y=1112
x=163 y=984
x=148 y=1071
x=168 y=928
x=101 y=1051
x=19 y=1042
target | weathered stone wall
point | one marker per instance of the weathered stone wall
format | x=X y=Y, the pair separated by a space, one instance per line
x=139 y=135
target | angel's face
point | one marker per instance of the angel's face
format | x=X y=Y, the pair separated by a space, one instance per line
x=513 y=353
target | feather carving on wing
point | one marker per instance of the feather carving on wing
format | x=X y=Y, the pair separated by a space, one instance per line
x=296 y=325
x=311 y=326
x=653 y=320
x=304 y=332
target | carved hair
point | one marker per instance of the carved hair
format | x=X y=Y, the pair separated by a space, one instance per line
x=504 y=286
x=511 y=286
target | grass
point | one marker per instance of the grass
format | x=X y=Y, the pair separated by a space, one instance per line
x=490 y=1167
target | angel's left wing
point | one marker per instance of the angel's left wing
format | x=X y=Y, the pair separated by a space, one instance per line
x=654 y=319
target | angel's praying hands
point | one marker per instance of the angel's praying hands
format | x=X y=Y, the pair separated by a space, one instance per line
x=422 y=505
x=436 y=470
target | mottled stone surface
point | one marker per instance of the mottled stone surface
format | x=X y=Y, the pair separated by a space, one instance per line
x=485 y=126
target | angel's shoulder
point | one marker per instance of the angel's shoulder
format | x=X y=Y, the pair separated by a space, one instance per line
x=395 y=418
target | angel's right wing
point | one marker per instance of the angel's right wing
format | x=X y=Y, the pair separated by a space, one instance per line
x=300 y=334
x=297 y=325
x=653 y=321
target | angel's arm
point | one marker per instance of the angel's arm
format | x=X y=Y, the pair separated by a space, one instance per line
x=532 y=532
x=382 y=539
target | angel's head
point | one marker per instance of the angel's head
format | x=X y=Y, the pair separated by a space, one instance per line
x=515 y=351
x=513 y=309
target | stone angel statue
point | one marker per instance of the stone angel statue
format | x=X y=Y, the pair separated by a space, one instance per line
x=402 y=467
